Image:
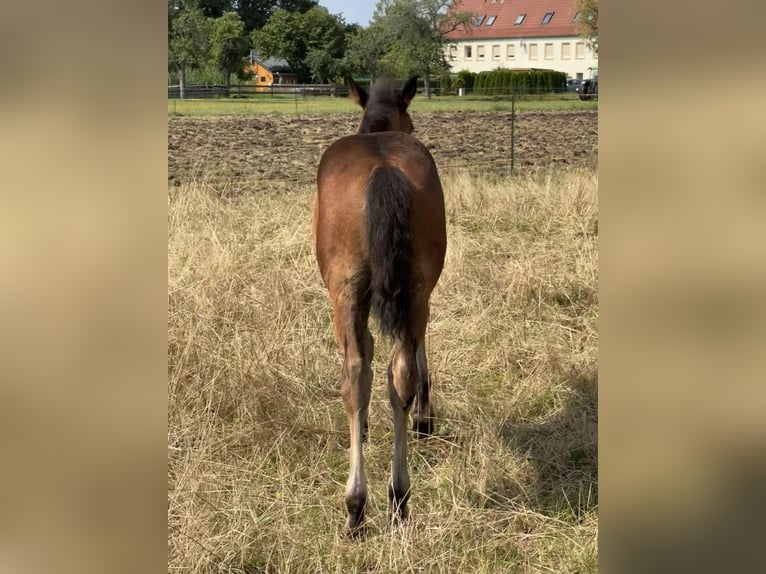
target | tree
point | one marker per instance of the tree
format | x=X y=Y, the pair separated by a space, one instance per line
x=229 y=45
x=588 y=22
x=188 y=41
x=365 y=50
x=301 y=6
x=212 y=8
x=417 y=31
x=313 y=42
x=256 y=13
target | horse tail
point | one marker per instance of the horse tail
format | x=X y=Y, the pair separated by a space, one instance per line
x=389 y=239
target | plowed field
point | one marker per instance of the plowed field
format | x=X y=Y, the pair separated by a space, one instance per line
x=250 y=152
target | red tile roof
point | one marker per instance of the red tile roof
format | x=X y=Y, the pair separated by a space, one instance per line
x=507 y=11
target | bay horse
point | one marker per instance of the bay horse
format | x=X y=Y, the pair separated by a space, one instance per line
x=380 y=238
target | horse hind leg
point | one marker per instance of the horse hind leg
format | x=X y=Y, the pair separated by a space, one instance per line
x=422 y=417
x=402 y=381
x=356 y=382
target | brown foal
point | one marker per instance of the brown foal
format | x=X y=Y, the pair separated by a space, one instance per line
x=380 y=239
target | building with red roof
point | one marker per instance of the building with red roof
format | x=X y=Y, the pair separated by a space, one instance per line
x=521 y=34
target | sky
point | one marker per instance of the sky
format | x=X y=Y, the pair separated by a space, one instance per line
x=353 y=11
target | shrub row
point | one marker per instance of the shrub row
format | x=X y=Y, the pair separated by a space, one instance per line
x=506 y=82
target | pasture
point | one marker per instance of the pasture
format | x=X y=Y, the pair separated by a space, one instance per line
x=257 y=435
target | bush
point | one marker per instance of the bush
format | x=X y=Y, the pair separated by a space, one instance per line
x=446 y=84
x=464 y=79
x=507 y=82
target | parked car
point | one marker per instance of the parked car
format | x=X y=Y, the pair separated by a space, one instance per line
x=574 y=85
x=589 y=88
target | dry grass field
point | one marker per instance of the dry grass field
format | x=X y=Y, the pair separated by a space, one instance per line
x=257 y=436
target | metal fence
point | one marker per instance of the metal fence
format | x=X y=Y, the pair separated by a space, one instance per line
x=245 y=91
x=340 y=90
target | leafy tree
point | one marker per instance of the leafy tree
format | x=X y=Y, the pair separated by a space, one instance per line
x=213 y=8
x=322 y=66
x=312 y=42
x=301 y=6
x=229 y=45
x=365 y=50
x=255 y=13
x=417 y=31
x=188 y=42
x=588 y=22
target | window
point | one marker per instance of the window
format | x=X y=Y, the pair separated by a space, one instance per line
x=510 y=51
x=580 y=51
x=479 y=20
x=491 y=20
x=576 y=17
x=468 y=52
x=548 y=51
x=520 y=19
x=263 y=79
x=533 y=51
x=547 y=17
x=566 y=51
x=480 y=52
x=496 y=52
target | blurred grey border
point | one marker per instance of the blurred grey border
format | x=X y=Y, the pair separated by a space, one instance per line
x=682 y=136
x=83 y=288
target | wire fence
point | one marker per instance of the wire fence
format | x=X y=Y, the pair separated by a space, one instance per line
x=250 y=91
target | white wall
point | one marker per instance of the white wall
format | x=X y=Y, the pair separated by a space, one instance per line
x=496 y=55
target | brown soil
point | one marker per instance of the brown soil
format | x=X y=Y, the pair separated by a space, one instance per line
x=252 y=152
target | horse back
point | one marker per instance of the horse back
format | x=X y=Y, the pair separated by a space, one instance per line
x=339 y=210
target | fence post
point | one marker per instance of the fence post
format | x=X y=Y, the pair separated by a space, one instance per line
x=513 y=135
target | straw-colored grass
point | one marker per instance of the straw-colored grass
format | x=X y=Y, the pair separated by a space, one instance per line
x=257 y=434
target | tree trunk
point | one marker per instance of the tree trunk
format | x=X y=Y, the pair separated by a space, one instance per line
x=427 y=84
x=182 y=82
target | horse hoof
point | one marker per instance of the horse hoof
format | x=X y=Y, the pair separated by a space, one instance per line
x=397 y=504
x=423 y=427
x=355 y=521
x=354 y=533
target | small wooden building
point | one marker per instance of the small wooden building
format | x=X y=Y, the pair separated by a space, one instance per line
x=270 y=71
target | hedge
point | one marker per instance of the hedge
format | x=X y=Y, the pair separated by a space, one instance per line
x=506 y=82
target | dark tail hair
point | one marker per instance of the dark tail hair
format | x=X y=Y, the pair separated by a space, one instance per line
x=389 y=239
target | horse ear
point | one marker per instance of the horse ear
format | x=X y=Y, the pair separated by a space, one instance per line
x=409 y=90
x=357 y=92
